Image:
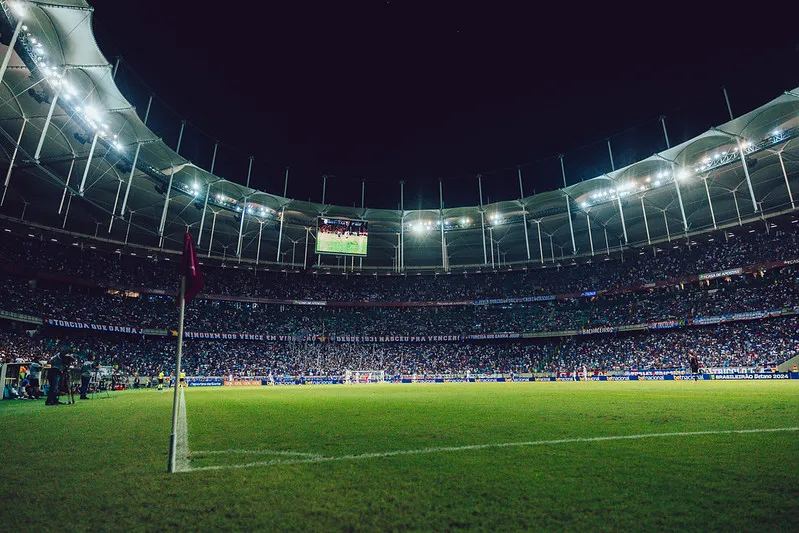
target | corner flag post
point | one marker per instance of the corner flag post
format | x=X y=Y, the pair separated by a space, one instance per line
x=172 y=441
x=191 y=283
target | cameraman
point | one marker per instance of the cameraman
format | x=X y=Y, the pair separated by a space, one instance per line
x=58 y=365
x=87 y=368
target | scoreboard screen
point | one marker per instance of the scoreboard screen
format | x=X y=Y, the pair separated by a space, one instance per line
x=341 y=236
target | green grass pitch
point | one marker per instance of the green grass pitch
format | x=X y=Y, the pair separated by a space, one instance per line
x=100 y=465
x=330 y=243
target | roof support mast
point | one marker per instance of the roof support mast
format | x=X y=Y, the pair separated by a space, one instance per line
x=168 y=189
x=10 y=50
x=164 y=211
x=363 y=210
x=66 y=212
x=610 y=153
x=241 y=229
x=727 y=99
x=213 y=158
x=441 y=223
x=710 y=202
x=66 y=185
x=737 y=209
x=491 y=239
x=147 y=112
x=646 y=222
x=114 y=210
x=748 y=179
x=540 y=242
x=482 y=218
x=524 y=212
x=213 y=227
x=402 y=228
x=666 y=222
x=787 y=184
x=280 y=233
x=324 y=190
x=675 y=178
x=590 y=235
x=47 y=124
x=130 y=180
x=305 y=259
x=258 y=250
x=623 y=223
x=11 y=165
x=88 y=164
x=568 y=204
x=205 y=210
x=282 y=214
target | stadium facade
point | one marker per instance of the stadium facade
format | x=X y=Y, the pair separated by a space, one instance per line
x=81 y=158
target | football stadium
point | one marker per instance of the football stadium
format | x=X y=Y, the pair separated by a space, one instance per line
x=184 y=346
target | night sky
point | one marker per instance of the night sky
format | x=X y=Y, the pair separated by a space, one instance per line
x=384 y=91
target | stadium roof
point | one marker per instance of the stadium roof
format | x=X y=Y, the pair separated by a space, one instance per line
x=79 y=175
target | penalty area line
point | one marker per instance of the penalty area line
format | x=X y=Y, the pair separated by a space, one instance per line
x=444 y=449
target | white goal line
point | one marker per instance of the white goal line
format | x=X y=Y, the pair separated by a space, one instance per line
x=443 y=449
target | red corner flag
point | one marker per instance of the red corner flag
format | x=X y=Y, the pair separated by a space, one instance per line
x=190 y=268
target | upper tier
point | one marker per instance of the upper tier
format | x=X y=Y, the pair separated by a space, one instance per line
x=84 y=159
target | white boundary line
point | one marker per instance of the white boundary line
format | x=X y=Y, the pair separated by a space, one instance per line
x=376 y=455
x=182 y=437
x=257 y=452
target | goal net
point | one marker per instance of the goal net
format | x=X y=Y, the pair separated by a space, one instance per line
x=364 y=376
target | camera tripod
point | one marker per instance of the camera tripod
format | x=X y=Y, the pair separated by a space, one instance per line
x=94 y=386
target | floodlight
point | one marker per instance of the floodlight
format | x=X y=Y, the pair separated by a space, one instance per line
x=91 y=112
x=584 y=205
x=18 y=9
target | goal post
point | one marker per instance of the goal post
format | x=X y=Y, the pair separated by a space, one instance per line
x=364 y=376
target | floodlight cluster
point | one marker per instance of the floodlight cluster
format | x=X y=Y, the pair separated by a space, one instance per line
x=709 y=162
x=91 y=116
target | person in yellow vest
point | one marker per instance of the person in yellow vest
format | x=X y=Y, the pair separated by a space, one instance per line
x=182 y=378
x=161 y=380
x=795 y=368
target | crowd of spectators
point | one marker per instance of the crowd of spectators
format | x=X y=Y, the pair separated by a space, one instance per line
x=774 y=289
x=153 y=270
x=745 y=344
x=739 y=344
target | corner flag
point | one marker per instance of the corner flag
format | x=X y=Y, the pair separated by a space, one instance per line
x=190 y=268
x=191 y=283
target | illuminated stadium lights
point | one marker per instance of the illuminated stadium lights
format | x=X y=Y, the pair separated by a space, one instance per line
x=18 y=9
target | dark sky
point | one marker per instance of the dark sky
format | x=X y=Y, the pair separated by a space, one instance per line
x=424 y=90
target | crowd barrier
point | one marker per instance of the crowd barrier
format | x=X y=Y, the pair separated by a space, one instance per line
x=627 y=376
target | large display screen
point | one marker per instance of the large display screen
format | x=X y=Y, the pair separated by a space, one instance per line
x=341 y=236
